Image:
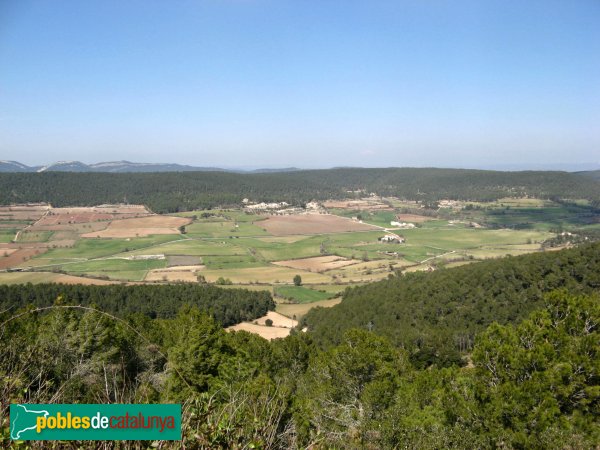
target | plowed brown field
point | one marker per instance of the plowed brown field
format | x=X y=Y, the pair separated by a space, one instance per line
x=312 y=224
x=142 y=226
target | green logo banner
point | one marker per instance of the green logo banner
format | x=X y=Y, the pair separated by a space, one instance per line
x=95 y=422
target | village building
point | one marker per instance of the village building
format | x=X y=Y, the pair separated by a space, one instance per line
x=402 y=224
x=392 y=239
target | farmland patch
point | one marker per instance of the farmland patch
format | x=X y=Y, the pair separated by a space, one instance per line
x=48 y=277
x=317 y=263
x=301 y=294
x=175 y=274
x=280 y=326
x=266 y=275
x=312 y=224
x=20 y=256
x=356 y=204
x=183 y=260
x=139 y=227
x=413 y=218
x=300 y=309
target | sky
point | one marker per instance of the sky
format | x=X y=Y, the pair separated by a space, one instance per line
x=311 y=84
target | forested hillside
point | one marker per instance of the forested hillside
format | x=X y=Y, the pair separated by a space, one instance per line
x=170 y=192
x=595 y=174
x=437 y=315
x=227 y=306
x=533 y=385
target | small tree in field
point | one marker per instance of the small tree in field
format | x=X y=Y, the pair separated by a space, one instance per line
x=298 y=280
x=269 y=322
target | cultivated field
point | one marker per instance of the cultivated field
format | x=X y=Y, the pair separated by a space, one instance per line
x=264 y=275
x=317 y=263
x=365 y=205
x=176 y=273
x=19 y=213
x=311 y=224
x=412 y=218
x=48 y=277
x=302 y=294
x=140 y=227
x=269 y=333
x=280 y=327
x=299 y=310
x=236 y=249
x=18 y=256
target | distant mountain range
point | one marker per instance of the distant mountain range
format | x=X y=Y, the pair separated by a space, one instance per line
x=122 y=167
x=131 y=167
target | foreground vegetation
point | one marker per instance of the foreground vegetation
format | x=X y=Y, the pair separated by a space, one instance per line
x=532 y=382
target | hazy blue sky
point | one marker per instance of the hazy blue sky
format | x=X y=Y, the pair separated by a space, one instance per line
x=304 y=83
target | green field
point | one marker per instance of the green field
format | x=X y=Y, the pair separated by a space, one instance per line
x=301 y=294
x=247 y=259
x=298 y=310
x=116 y=269
x=534 y=214
x=224 y=229
x=231 y=245
x=232 y=262
x=96 y=248
x=194 y=247
x=275 y=251
x=7 y=234
x=38 y=236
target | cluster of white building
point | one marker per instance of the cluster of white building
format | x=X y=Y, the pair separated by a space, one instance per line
x=402 y=224
x=265 y=206
x=392 y=239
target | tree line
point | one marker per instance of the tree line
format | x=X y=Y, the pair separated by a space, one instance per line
x=170 y=192
x=226 y=306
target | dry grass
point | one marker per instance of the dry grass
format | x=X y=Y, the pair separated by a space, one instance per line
x=413 y=218
x=312 y=224
x=281 y=327
x=142 y=226
x=61 y=216
x=265 y=274
x=23 y=212
x=317 y=263
x=356 y=204
x=300 y=309
x=189 y=276
x=279 y=320
x=268 y=333
x=177 y=273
